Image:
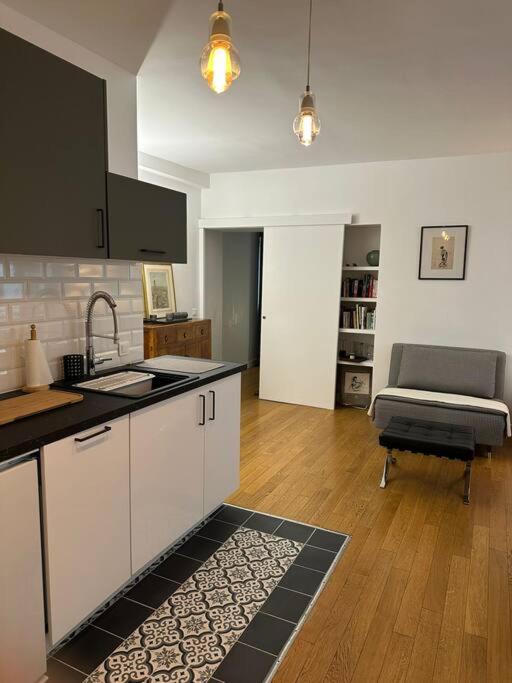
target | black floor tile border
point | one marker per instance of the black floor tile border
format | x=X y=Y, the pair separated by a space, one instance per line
x=275 y=620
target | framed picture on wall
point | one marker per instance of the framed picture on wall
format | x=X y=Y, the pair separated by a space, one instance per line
x=159 y=295
x=443 y=252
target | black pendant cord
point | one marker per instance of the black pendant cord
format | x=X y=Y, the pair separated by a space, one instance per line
x=221 y=6
x=309 y=45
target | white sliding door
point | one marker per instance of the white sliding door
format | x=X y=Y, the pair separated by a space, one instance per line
x=300 y=314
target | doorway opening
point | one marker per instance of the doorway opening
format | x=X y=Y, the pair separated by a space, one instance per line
x=233 y=261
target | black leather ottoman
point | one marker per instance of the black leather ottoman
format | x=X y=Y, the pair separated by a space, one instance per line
x=430 y=438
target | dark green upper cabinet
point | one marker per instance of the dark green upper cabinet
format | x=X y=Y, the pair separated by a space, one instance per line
x=53 y=152
x=146 y=222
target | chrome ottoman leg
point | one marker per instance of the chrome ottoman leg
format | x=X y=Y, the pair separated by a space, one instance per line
x=467 y=482
x=390 y=460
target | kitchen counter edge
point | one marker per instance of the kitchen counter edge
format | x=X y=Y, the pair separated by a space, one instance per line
x=32 y=433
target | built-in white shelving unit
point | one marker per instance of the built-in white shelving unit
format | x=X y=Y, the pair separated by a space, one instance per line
x=364 y=363
x=358 y=303
x=358 y=299
x=354 y=330
x=368 y=269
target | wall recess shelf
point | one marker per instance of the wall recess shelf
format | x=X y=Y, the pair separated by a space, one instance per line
x=350 y=330
x=364 y=363
x=359 y=299
x=367 y=269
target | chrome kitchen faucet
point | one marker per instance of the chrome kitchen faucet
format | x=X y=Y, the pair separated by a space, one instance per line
x=89 y=334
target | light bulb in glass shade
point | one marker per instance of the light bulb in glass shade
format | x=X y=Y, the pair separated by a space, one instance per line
x=220 y=62
x=306 y=125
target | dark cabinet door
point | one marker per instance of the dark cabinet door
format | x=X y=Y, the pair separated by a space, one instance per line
x=53 y=154
x=146 y=222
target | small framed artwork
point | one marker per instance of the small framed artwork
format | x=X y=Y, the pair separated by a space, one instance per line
x=443 y=252
x=356 y=387
x=159 y=295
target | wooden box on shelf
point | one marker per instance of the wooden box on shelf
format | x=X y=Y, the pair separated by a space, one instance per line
x=190 y=338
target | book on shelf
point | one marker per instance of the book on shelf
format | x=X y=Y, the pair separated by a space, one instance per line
x=365 y=286
x=359 y=317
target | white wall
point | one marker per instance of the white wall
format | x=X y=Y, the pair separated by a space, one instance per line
x=121 y=86
x=213 y=301
x=240 y=297
x=401 y=197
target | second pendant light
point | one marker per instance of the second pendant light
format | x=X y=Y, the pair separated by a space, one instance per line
x=306 y=125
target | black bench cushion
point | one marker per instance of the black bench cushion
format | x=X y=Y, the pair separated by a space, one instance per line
x=430 y=438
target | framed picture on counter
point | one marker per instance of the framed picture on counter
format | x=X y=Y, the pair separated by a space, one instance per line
x=443 y=252
x=159 y=294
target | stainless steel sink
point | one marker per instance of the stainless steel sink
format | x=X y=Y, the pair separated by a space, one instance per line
x=133 y=383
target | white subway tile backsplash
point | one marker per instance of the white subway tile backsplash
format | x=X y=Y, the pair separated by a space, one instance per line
x=134 y=355
x=123 y=306
x=61 y=269
x=26 y=268
x=28 y=311
x=56 y=349
x=109 y=287
x=91 y=269
x=55 y=310
x=50 y=330
x=130 y=288
x=137 y=338
x=11 y=357
x=138 y=305
x=76 y=289
x=130 y=322
x=10 y=335
x=117 y=271
x=135 y=271
x=11 y=379
x=46 y=289
x=12 y=290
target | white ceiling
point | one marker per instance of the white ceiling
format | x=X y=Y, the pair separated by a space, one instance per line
x=394 y=79
x=119 y=30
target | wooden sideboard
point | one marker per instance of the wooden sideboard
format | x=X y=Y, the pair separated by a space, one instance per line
x=192 y=338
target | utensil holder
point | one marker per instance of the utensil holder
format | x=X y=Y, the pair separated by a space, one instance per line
x=74 y=367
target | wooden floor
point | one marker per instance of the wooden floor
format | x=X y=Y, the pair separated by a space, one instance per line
x=424 y=590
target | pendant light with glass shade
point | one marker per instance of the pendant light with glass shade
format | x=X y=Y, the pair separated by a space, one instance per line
x=306 y=125
x=220 y=62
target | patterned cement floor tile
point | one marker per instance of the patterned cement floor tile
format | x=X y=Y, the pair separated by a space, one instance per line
x=190 y=634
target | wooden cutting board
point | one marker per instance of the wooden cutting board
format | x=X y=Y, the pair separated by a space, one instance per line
x=12 y=409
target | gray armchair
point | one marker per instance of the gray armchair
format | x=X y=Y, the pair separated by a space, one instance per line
x=452 y=370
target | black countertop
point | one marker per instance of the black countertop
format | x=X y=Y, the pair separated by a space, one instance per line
x=30 y=433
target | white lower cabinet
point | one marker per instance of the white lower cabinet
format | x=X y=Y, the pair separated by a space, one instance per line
x=117 y=495
x=222 y=442
x=166 y=460
x=22 y=640
x=86 y=504
x=185 y=460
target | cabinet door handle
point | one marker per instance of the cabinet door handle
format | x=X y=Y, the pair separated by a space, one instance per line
x=203 y=410
x=212 y=416
x=81 y=439
x=153 y=251
x=101 y=228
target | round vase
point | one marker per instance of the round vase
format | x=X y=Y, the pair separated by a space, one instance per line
x=372 y=257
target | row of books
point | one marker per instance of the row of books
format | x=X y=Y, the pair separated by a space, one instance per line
x=364 y=287
x=358 y=318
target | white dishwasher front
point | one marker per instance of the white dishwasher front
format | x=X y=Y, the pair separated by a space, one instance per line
x=22 y=637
